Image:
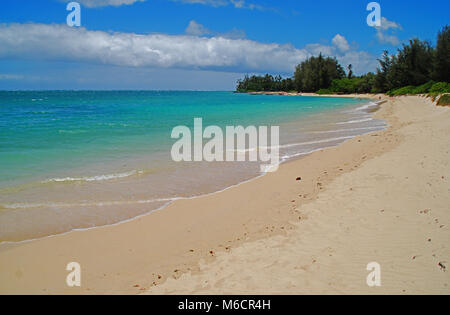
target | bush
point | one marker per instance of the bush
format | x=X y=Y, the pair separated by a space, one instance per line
x=424 y=88
x=440 y=88
x=444 y=100
x=324 y=92
x=345 y=86
x=402 y=91
x=430 y=87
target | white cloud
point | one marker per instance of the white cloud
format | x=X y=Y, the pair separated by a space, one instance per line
x=239 y=4
x=213 y=3
x=60 y=42
x=196 y=29
x=218 y=53
x=387 y=39
x=384 y=36
x=104 y=3
x=386 y=24
x=233 y=34
x=316 y=49
x=361 y=61
x=341 y=43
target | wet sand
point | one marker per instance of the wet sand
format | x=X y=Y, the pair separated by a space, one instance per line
x=379 y=197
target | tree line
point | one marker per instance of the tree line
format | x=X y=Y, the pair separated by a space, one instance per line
x=416 y=68
x=267 y=83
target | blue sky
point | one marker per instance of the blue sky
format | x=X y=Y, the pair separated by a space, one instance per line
x=195 y=44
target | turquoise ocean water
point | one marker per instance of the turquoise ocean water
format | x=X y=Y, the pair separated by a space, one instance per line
x=78 y=159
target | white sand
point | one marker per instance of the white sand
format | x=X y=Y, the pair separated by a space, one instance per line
x=372 y=214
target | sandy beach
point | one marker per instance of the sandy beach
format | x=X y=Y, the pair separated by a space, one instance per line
x=383 y=197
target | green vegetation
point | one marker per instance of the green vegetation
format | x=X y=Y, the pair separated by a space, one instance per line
x=440 y=87
x=444 y=100
x=317 y=73
x=430 y=87
x=417 y=68
x=424 y=88
x=265 y=83
x=406 y=90
x=442 y=56
x=362 y=84
x=324 y=92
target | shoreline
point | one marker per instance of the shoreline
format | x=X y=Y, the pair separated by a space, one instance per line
x=356 y=95
x=157 y=203
x=200 y=229
x=388 y=210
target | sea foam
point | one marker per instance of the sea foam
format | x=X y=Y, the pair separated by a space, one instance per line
x=93 y=178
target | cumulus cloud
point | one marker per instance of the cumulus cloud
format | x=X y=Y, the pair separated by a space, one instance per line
x=196 y=29
x=104 y=3
x=361 y=61
x=234 y=34
x=341 y=43
x=386 y=24
x=387 y=39
x=60 y=42
x=384 y=36
x=316 y=49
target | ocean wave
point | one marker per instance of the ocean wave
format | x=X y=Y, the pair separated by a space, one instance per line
x=83 y=204
x=367 y=106
x=290 y=145
x=93 y=178
x=349 y=129
x=314 y=142
x=290 y=156
x=356 y=121
x=363 y=108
